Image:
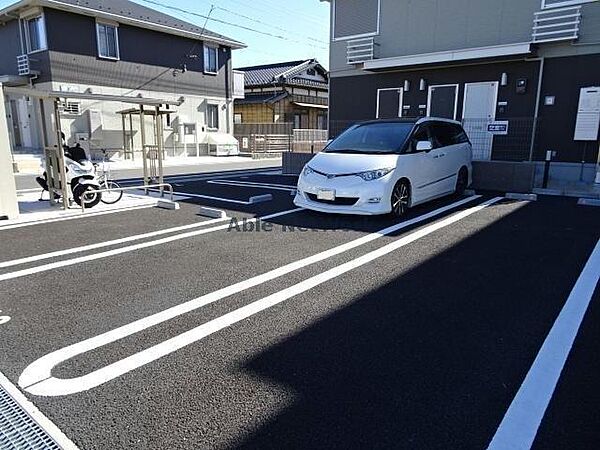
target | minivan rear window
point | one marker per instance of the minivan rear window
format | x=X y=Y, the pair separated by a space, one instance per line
x=378 y=138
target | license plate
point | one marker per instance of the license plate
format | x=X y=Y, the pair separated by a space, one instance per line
x=326 y=194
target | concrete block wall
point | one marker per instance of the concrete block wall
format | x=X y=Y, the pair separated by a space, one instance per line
x=487 y=175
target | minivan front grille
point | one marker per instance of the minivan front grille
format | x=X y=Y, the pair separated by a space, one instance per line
x=340 y=201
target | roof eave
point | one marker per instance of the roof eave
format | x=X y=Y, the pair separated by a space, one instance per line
x=235 y=45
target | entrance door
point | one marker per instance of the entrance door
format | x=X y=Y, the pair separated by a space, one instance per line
x=24 y=122
x=479 y=110
x=389 y=103
x=442 y=101
x=16 y=130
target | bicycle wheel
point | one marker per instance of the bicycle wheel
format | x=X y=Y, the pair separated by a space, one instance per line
x=110 y=197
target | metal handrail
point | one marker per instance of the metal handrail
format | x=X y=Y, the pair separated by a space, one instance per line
x=128 y=188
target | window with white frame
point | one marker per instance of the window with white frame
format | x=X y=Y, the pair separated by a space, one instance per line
x=237 y=118
x=559 y=3
x=211 y=61
x=355 y=18
x=35 y=32
x=108 y=40
x=212 y=116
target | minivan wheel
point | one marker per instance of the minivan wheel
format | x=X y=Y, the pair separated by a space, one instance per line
x=400 y=198
x=462 y=181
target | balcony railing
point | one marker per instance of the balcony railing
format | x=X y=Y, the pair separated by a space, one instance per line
x=560 y=24
x=360 y=50
x=24 y=66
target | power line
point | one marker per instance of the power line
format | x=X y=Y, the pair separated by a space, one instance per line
x=266 y=24
x=283 y=11
x=224 y=22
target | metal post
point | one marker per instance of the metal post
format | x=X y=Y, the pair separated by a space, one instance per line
x=125 y=140
x=159 y=147
x=60 y=157
x=597 y=180
x=547 y=168
x=143 y=138
x=537 y=109
x=131 y=142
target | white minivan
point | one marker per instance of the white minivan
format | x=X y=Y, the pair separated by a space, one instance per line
x=387 y=166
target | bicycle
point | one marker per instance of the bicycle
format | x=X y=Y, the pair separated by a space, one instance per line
x=110 y=196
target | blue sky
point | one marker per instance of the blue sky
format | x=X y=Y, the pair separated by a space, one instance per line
x=303 y=23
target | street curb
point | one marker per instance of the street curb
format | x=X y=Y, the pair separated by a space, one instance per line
x=212 y=212
x=260 y=198
x=167 y=204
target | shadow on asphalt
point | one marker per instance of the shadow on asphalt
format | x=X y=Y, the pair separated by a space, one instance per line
x=433 y=358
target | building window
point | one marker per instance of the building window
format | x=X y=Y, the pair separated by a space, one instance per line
x=322 y=121
x=189 y=129
x=108 y=41
x=237 y=118
x=210 y=59
x=212 y=117
x=355 y=18
x=36 y=34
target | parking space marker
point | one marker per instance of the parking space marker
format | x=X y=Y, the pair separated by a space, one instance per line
x=84 y=248
x=77 y=215
x=275 y=187
x=37 y=377
x=210 y=197
x=524 y=415
x=130 y=248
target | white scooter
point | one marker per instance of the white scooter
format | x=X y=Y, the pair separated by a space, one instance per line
x=81 y=177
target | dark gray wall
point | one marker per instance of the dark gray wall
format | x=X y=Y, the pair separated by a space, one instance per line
x=563 y=78
x=10 y=47
x=146 y=58
x=355 y=98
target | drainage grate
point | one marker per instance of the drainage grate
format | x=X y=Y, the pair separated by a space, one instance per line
x=18 y=431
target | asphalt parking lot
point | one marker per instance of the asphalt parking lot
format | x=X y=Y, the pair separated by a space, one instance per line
x=278 y=327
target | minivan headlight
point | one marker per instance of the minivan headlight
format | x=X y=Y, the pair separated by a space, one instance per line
x=307 y=171
x=371 y=175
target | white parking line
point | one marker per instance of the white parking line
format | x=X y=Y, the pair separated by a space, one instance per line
x=45 y=424
x=209 y=197
x=524 y=415
x=213 y=176
x=253 y=185
x=75 y=215
x=69 y=251
x=130 y=248
x=37 y=377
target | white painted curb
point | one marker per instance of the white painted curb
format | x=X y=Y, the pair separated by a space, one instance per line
x=517 y=196
x=261 y=198
x=589 y=202
x=212 y=212
x=167 y=204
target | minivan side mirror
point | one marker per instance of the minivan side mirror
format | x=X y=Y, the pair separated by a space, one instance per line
x=424 y=146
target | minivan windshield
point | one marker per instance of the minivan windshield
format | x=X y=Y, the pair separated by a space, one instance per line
x=372 y=138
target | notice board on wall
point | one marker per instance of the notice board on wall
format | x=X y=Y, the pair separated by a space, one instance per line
x=588 y=114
